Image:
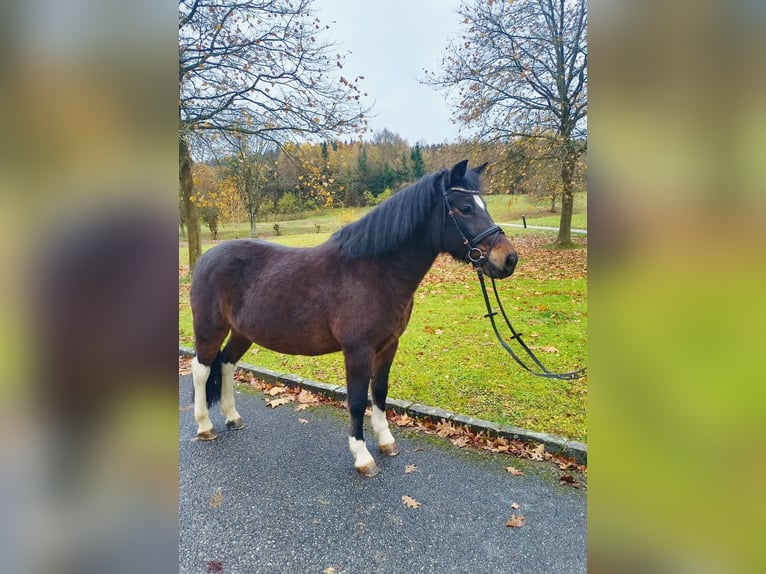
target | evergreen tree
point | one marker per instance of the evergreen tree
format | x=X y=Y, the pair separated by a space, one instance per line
x=418 y=163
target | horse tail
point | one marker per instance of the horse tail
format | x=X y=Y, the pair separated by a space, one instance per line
x=214 y=382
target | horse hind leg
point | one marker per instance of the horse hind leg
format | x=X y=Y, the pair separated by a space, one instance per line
x=358 y=370
x=232 y=352
x=382 y=367
x=201 y=374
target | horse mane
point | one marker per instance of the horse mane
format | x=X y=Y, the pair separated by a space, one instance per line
x=392 y=222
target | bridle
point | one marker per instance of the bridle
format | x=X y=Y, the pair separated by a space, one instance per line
x=478 y=258
x=473 y=253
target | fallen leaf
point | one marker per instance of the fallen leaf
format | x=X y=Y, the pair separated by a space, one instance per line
x=277 y=390
x=538 y=452
x=328 y=570
x=404 y=420
x=446 y=428
x=515 y=521
x=280 y=401
x=570 y=480
x=410 y=468
x=184 y=366
x=514 y=471
x=213 y=567
x=549 y=349
x=307 y=397
x=461 y=441
x=515 y=505
x=410 y=502
x=303 y=421
x=217 y=499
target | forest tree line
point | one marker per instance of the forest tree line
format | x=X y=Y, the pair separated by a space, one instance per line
x=251 y=180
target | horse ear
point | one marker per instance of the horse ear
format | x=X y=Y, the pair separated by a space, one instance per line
x=477 y=170
x=457 y=172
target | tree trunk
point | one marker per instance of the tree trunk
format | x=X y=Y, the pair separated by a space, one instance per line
x=567 y=198
x=553 y=203
x=252 y=224
x=189 y=207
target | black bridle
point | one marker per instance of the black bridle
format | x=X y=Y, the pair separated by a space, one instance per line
x=473 y=253
x=478 y=258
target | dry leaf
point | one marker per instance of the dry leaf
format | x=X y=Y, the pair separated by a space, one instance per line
x=461 y=441
x=328 y=570
x=515 y=505
x=307 y=397
x=549 y=349
x=277 y=390
x=570 y=480
x=217 y=499
x=404 y=420
x=514 y=471
x=538 y=452
x=515 y=521
x=446 y=428
x=184 y=366
x=410 y=468
x=280 y=401
x=410 y=502
x=303 y=421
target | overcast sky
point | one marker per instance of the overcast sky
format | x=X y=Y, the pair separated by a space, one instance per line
x=391 y=42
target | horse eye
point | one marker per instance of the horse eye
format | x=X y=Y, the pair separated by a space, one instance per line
x=467 y=208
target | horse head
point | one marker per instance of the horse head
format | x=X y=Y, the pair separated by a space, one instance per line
x=473 y=236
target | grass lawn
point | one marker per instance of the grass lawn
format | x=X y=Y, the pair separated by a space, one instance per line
x=449 y=358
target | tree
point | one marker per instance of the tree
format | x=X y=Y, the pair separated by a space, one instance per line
x=250 y=167
x=207 y=183
x=258 y=68
x=520 y=70
x=418 y=164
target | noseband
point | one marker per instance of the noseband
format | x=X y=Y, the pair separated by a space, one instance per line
x=473 y=254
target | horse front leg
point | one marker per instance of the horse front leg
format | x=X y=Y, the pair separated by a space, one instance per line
x=358 y=371
x=382 y=367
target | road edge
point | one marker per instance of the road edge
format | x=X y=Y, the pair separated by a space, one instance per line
x=553 y=444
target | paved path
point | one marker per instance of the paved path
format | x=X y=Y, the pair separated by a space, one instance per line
x=291 y=502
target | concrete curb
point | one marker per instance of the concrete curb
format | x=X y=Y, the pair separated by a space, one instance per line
x=553 y=444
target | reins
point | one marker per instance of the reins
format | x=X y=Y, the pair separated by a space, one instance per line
x=478 y=261
x=543 y=372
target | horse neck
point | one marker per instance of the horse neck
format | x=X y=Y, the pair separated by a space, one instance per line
x=412 y=260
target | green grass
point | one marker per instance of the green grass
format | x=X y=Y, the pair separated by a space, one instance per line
x=510 y=208
x=449 y=358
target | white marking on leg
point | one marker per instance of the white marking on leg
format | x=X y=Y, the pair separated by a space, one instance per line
x=362 y=456
x=200 y=374
x=380 y=427
x=227 y=393
x=480 y=202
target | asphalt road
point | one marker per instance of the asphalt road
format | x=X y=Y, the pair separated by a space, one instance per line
x=282 y=496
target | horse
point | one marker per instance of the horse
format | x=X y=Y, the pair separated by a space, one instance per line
x=353 y=293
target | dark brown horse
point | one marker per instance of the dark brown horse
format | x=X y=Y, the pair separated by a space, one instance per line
x=352 y=293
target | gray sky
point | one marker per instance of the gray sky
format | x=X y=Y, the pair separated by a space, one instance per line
x=391 y=42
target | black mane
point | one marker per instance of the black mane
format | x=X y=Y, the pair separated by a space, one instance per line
x=392 y=222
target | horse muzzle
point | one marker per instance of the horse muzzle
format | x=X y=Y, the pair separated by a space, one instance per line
x=501 y=260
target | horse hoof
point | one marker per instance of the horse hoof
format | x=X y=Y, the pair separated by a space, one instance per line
x=369 y=470
x=207 y=435
x=236 y=424
x=390 y=449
